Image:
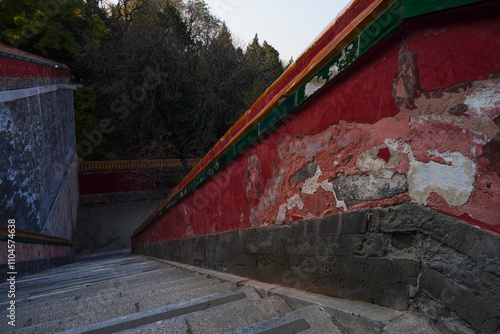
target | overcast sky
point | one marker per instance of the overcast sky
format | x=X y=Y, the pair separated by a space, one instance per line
x=290 y=26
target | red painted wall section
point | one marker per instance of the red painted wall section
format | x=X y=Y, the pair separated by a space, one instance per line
x=415 y=120
x=16 y=68
x=301 y=64
x=119 y=182
x=33 y=251
x=30 y=66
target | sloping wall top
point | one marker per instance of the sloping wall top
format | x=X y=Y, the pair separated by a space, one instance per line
x=17 y=63
x=349 y=38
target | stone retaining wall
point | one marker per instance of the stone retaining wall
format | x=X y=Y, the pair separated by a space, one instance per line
x=404 y=257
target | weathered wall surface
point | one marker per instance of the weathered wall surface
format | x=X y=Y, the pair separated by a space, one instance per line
x=414 y=124
x=38 y=176
x=403 y=257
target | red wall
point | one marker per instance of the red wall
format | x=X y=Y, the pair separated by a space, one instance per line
x=30 y=66
x=428 y=97
x=117 y=182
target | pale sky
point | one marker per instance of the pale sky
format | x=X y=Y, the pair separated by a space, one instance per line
x=290 y=26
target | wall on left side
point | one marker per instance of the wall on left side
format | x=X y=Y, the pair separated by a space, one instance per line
x=38 y=175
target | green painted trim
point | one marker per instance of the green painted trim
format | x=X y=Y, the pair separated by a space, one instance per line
x=32 y=241
x=385 y=24
x=414 y=8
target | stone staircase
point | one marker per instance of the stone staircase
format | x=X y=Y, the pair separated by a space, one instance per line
x=134 y=294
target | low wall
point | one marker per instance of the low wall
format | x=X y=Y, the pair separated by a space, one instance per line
x=39 y=180
x=403 y=257
x=374 y=177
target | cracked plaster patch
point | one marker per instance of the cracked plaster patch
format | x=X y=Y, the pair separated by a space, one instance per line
x=310 y=187
x=310 y=146
x=485 y=98
x=453 y=183
x=293 y=202
x=315 y=84
x=369 y=161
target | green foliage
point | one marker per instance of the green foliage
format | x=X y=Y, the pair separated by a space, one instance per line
x=50 y=28
x=265 y=67
x=161 y=78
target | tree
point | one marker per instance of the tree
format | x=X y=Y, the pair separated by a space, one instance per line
x=263 y=66
x=53 y=29
x=162 y=78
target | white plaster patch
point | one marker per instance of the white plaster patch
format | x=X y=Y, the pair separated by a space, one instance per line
x=378 y=167
x=483 y=98
x=189 y=232
x=315 y=84
x=280 y=219
x=311 y=186
x=295 y=201
x=453 y=183
x=270 y=195
x=333 y=71
x=343 y=57
x=309 y=216
x=254 y=218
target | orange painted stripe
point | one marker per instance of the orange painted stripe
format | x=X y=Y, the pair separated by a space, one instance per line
x=353 y=29
x=23 y=234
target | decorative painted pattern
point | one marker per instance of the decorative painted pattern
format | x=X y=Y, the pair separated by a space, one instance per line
x=93 y=166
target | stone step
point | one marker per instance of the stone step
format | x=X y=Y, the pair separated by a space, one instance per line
x=203 y=304
x=76 y=267
x=349 y=316
x=236 y=315
x=220 y=319
x=309 y=320
x=116 y=294
x=112 y=289
x=163 y=293
x=77 y=278
x=96 y=310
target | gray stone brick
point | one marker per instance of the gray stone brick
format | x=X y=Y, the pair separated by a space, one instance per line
x=298 y=229
x=248 y=260
x=354 y=222
x=281 y=232
x=406 y=270
x=330 y=225
x=465 y=303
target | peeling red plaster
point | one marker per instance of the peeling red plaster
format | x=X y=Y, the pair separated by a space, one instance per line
x=253 y=180
x=358 y=113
